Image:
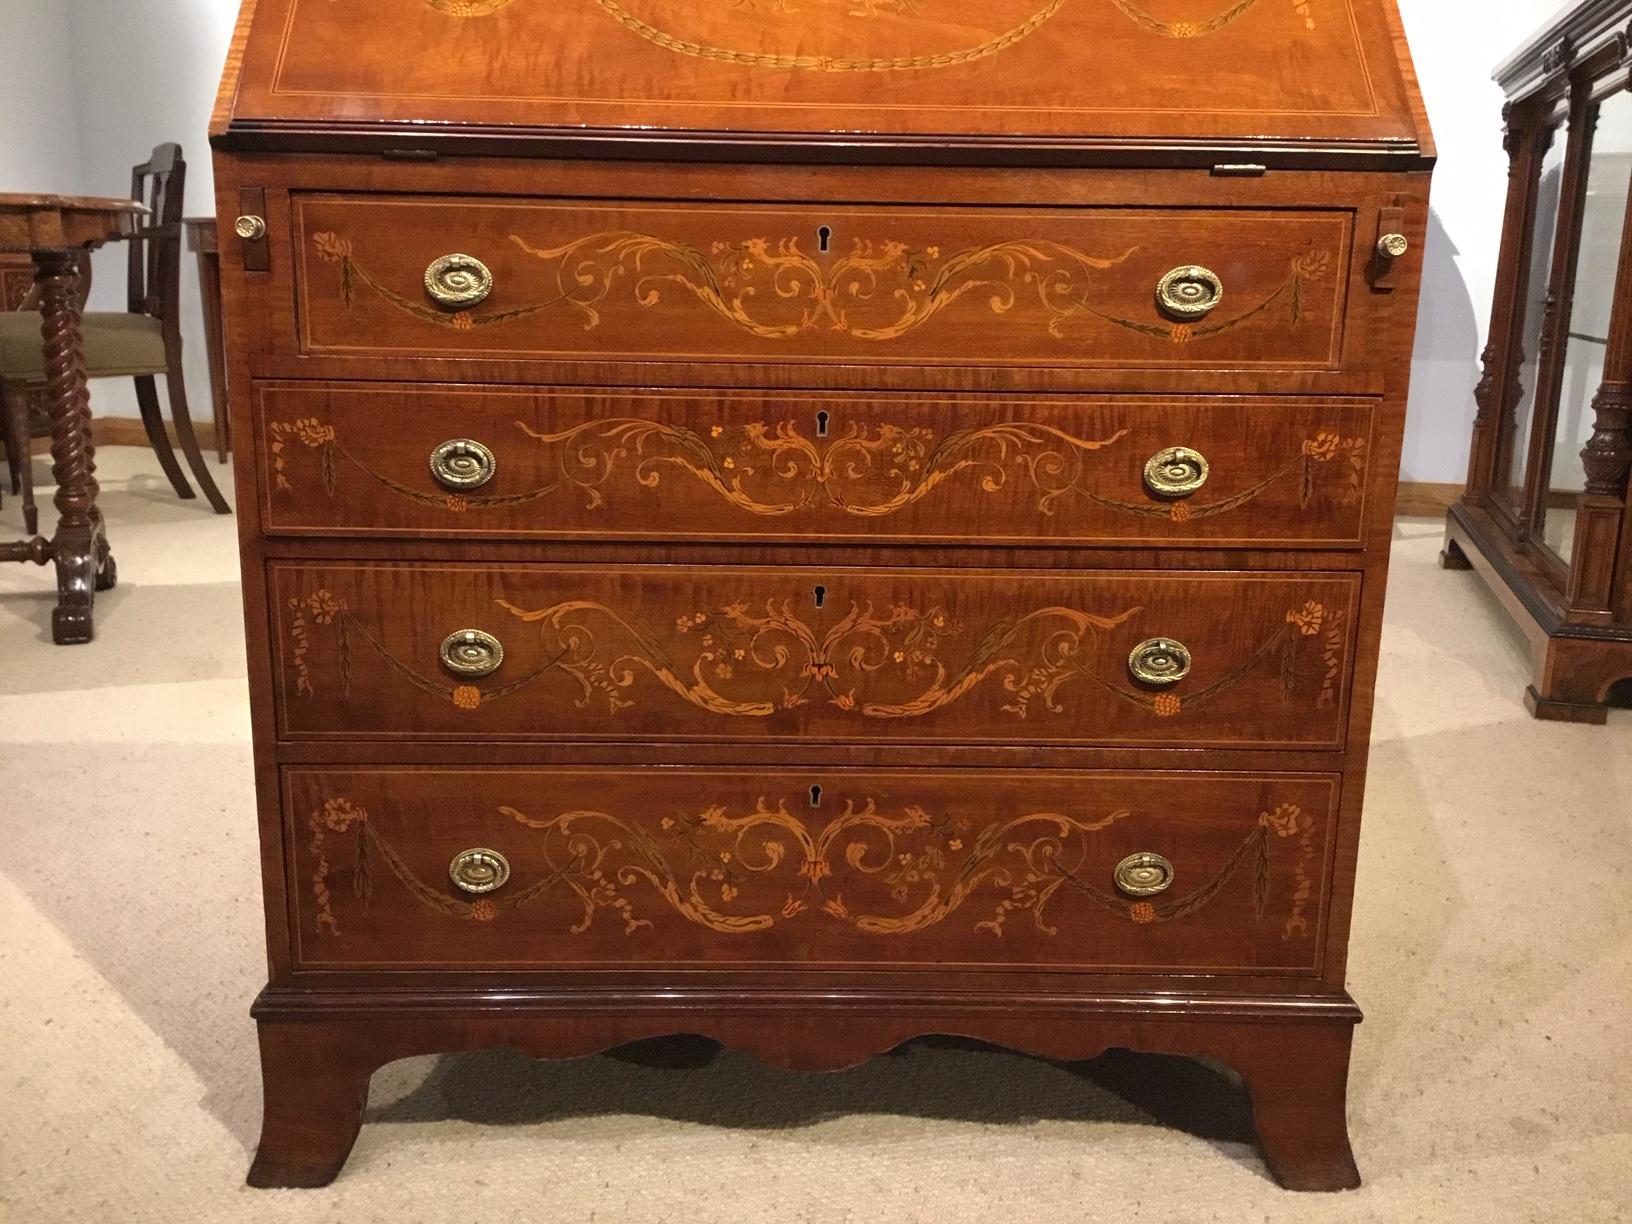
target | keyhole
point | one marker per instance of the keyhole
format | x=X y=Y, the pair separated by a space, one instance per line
x=821 y=596
x=815 y=796
x=824 y=237
x=821 y=424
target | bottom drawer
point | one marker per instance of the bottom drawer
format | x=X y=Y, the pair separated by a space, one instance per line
x=693 y=868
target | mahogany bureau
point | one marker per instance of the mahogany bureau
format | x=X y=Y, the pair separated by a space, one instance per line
x=814 y=524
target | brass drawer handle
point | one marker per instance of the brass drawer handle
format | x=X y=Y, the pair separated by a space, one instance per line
x=470 y=652
x=1177 y=471
x=250 y=228
x=479 y=870
x=1189 y=292
x=1143 y=874
x=1160 y=661
x=463 y=463
x=457 y=281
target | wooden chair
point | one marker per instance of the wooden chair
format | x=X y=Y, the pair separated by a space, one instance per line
x=141 y=342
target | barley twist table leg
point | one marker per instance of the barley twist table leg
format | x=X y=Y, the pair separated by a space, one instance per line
x=79 y=547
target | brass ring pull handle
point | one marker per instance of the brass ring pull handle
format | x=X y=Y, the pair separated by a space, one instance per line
x=470 y=652
x=1189 y=292
x=463 y=463
x=1143 y=874
x=1177 y=471
x=479 y=870
x=457 y=281
x=1160 y=661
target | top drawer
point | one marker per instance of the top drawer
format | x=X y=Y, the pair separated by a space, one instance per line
x=1080 y=287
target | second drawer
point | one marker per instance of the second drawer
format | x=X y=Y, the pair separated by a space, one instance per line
x=574 y=464
x=729 y=653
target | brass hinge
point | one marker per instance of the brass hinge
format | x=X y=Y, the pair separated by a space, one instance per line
x=1240 y=170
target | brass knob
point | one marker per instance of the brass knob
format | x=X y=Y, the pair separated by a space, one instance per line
x=250 y=229
x=457 y=281
x=470 y=652
x=1143 y=874
x=479 y=870
x=462 y=463
x=1160 y=661
x=1189 y=292
x=1392 y=246
x=1177 y=471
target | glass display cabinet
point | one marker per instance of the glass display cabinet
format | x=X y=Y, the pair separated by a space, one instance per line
x=1545 y=516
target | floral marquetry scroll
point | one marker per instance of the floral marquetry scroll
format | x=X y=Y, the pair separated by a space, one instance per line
x=863 y=470
x=882 y=664
x=715 y=867
x=774 y=289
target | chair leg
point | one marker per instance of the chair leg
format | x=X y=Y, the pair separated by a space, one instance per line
x=19 y=452
x=147 y=398
x=189 y=441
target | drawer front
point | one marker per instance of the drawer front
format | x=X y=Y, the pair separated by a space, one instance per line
x=1052 y=287
x=698 y=868
x=608 y=464
x=727 y=653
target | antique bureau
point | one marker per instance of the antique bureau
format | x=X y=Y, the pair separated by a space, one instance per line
x=810 y=524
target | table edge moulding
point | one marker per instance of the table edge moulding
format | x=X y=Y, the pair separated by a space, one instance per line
x=710 y=533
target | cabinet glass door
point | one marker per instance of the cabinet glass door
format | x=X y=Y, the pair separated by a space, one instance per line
x=1515 y=444
x=1609 y=173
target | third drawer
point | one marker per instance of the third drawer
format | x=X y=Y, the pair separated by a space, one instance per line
x=739 y=653
x=1218 y=471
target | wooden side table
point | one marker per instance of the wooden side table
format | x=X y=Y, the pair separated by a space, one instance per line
x=204 y=242
x=54 y=231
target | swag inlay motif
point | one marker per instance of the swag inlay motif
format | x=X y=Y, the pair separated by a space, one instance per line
x=701 y=864
x=879 y=291
x=866 y=471
x=775 y=12
x=738 y=662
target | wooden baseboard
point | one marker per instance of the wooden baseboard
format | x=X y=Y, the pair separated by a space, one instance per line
x=129 y=431
x=1425 y=499
x=1418 y=498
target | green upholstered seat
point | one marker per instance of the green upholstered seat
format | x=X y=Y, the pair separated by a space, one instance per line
x=116 y=344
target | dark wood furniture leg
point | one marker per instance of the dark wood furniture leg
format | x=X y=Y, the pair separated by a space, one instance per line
x=315 y=1083
x=80 y=548
x=1297 y=1081
x=209 y=292
x=19 y=453
x=176 y=385
x=147 y=399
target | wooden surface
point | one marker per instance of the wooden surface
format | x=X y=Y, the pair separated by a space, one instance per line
x=1576 y=609
x=875 y=532
x=205 y=244
x=948 y=71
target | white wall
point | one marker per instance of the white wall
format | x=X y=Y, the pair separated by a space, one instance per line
x=1455 y=46
x=124 y=75
x=39 y=133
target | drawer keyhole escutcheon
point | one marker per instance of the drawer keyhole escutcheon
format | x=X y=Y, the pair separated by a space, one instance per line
x=815 y=796
x=1143 y=874
x=824 y=238
x=821 y=596
x=821 y=424
x=1189 y=292
x=472 y=653
x=463 y=463
x=479 y=870
x=1176 y=471
x=457 y=281
x=1160 y=661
